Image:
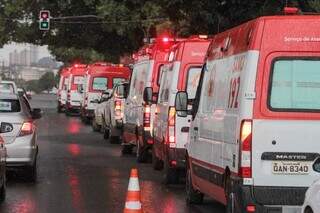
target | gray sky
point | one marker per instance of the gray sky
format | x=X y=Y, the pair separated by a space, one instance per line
x=4 y=52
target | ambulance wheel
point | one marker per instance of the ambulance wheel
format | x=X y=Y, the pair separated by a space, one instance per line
x=95 y=126
x=59 y=108
x=192 y=196
x=231 y=198
x=126 y=149
x=157 y=164
x=106 y=134
x=114 y=139
x=308 y=210
x=171 y=175
x=142 y=154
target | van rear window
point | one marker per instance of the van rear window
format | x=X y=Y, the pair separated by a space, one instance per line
x=100 y=83
x=9 y=105
x=193 y=80
x=116 y=81
x=295 y=85
x=6 y=88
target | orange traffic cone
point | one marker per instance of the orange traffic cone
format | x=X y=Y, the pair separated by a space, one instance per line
x=133 y=202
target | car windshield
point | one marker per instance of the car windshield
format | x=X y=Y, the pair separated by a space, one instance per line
x=6 y=88
x=9 y=105
x=295 y=85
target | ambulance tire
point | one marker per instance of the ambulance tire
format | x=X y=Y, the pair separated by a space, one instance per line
x=95 y=126
x=157 y=164
x=106 y=134
x=231 y=197
x=308 y=210
x=59 y=108
x=142 y=154
x=171 y=175
x=126 y=150
x=192 y=196
x=114 y=139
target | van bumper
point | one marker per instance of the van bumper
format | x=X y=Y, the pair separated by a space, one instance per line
x=271 y=199
x=177 y=155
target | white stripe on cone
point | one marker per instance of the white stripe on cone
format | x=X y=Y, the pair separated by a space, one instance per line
x=133 y=184
x=133 y=205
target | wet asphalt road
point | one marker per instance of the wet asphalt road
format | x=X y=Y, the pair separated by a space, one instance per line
x=81 y=172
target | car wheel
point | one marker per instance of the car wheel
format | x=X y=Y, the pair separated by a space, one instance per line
x=192 y=196
x=126 y=149
x=32 y=172
x=171 y=175
x=3 y=189
x=95 y=126
x=157 y=164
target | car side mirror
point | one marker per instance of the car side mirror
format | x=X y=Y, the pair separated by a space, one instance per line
x=6 y=127
x=36 y=113
x=147 y=95
x=181 y=104
x=316 y=165
x=29 y=96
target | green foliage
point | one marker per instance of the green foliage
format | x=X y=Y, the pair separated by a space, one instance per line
x=46 y=82
x=122 y=24
x=33 y=86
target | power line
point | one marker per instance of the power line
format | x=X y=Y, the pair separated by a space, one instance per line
x=110 y=22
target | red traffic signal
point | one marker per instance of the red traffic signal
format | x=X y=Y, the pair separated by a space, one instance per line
x=44 y=14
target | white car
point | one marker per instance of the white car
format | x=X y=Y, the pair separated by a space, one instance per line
x=20 y=142
x=113 y=113
x=8 y=87
x=312 y=199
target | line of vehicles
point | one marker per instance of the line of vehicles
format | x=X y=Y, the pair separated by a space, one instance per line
x=236 y=113
x=18 y=134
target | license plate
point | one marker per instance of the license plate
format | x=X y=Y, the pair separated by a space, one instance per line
x=290 y=168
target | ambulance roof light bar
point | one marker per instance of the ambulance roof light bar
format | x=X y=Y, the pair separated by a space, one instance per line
x=291 y=11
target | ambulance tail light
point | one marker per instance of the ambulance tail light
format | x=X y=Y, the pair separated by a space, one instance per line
x=246 y=149
x=171 y=127
x=117 y=108
x=146 y=116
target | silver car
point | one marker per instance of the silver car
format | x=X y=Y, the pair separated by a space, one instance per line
x=4 y=128
x=21 y=144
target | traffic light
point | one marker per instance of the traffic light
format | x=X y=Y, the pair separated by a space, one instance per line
x=44 y=22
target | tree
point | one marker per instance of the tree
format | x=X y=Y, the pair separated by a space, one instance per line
x=46 y=82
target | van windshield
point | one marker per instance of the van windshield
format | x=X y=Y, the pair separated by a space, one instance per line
x=116 y=81
x=295 y=85
x=193 y=80
x=99 y=83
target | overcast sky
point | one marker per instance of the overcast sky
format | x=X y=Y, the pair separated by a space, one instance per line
x=4 y=52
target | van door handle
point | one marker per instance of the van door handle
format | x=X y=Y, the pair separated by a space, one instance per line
x=185 y=129
x=196 y=128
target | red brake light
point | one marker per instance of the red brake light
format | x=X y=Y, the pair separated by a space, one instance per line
x=165 y=39
x=27 y=128
x=246 y=149
x=171 y=127
x=146 y=116
x=117 y=108
x=251 y=208
x=291 y=10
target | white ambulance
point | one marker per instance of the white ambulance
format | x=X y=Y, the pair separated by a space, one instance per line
x=170 y=132
x=254 y=134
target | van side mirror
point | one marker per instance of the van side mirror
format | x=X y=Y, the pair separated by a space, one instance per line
x=6 y=127
x=147 y=95
x=36 y=113
x=126 y=90
x=181 y=104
